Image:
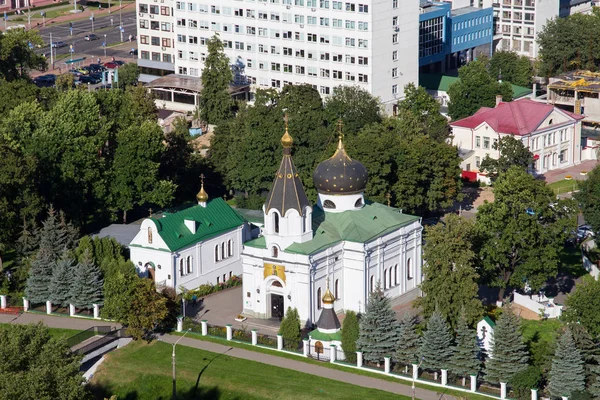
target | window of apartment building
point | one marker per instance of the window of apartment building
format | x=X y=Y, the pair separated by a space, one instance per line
x=275 y=50
x=311 y=37
x=155 y=41
x=261 y=65
x=144 y=24
x=250 y=14
x=350 y=24
x=311 y=3
x=395 y=55
x=299 y=2
x=143 y=8
x=337 y=40
x=238 y=12
x=181 y=22
x=276 y=83
x=395 y=72
x=275 y=67
x=394 y=4
x=350 y=59
x=337 y=74
x=350 y=7
x=180 y=5
x=165 y=26
x=324 y=39
x=338 y=58
x=181 y=54
x=324 y=90
x=363 y=8
x=563 y=156
x=181 y=38
x=394 y=38
x=350 y=42
x=299 y=36
x=300 y=53
x=363 y=60
x=363 y=43
x=337 y=23
x=324 y=73
x=311 y=20
x=250 y=30
x=312 y=71
x=363 y=26
x=166 y=42
x=193 y=56
x=350 y=77
x=310 y=55
x=478 y=141
x=486 y=142
x=194 y=72
x=336 y=5
x=324 y=21
x=529 y=17
x=155 y=56
x=363 y=78
x=324 y=56
x=215 y=10
x=288 y=68
x=154 y=10
x=477 y=162
x=263 y=32
x=300 y=70
x=239 y=46
x=274 y=16
x=323 y=3
x=155 y=25
x=394 y=89
x=145 y=55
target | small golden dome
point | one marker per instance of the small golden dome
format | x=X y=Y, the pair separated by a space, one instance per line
x=286 y=139
x=328 y=297
x=202 y=196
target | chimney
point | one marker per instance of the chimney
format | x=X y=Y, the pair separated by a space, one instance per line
x=498 y=99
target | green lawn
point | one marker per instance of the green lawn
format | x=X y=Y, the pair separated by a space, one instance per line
x=564 y=186
x=546 y=330
x=143 y=371
x=57 y=332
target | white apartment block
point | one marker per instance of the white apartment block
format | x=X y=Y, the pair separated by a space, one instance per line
x=156 y=38
x=518 y=22
x=325 y=43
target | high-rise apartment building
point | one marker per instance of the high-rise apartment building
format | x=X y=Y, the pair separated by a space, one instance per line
x=370 y=43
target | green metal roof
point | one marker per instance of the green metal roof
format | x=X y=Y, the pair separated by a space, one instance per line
x=218 y=217
x=259 y=243
x=442 y=83
x=489 y=321
x=316 y=335
x=359 y=226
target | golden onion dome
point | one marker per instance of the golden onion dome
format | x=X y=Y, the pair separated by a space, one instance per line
x=286 y=139
x=202 y=196
x=328 y=296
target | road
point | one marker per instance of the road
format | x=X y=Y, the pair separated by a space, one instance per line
x=104 y=27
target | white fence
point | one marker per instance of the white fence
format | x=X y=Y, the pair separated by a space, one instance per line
x=590 y=266
x=538 y=304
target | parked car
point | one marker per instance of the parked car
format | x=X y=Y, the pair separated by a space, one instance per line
x=119 y=62
x=91 y=37
x=45 y=80
x=111 y=65
x=84 y=71
x=91 y=79
x=58 y=45
x=75 y=72
x=95 y=68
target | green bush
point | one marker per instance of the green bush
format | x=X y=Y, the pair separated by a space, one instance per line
x=350 y=331
x=525 y=380
x=209 y=288
x=290 y=329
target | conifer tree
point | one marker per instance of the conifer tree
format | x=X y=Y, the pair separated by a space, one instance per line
x=52 y=237
x=28 y=241
x=68 y=233
x=40 y=274
x=290 y=329
x=509 y=354
x=378 y=328
x=87 y=288
x=465 y=360
x=215 y=102
x=590 y=352
x=567 y=372
x=594 y=386
x=60 y=283
x=436 y=344
x=350 y=332
x=407 y=347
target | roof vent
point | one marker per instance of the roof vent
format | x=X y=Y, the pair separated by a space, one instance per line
x=191 y=225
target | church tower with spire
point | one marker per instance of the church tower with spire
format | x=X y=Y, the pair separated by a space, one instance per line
x=287 y=210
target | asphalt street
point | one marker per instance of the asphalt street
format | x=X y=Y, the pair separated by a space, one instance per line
x=105 y=27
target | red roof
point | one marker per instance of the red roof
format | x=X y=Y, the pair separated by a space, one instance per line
x=516 y=117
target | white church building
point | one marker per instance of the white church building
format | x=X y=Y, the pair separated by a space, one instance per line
x=353 y=243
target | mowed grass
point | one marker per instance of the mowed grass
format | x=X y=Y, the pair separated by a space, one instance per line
x=564 y=186
x=143 y=371
x=545 y=330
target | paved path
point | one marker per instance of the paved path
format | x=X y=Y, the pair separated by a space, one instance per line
x=307 y=368
x=54 y=321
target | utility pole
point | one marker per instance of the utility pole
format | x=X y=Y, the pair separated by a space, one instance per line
x=51 y=52
x=120 y=15
x=29 y=17
x=174 y=382
x=92 y=19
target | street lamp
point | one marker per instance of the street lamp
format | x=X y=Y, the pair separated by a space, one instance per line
x=413 y=378
x=174 y=384
x=120 y=15
x=105 y=43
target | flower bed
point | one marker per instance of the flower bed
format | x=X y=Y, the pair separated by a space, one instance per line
x=206 y=289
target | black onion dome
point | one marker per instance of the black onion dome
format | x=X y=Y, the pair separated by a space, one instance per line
x=340 y=174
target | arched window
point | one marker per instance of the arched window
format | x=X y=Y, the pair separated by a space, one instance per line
x=216 y=253
x=372 y=284
x=150 y=234
x=391 y=282
x=336 y=289
x=222 y=250
x=359 y=203
x=303 y=223
x=396 y=274
x=274 y=252
x=230 y=248
x=189 y=264
x=384 y=279
x=181 y=267
x=328 y=204
x=409 y=274
x=276 y=222
x=319 y=299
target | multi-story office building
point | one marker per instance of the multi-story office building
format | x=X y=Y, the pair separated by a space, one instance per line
x=325 y=43
x=518 y=22
x=155 y=36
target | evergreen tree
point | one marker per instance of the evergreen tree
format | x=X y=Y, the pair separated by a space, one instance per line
x=590 y=352
x=215 y=102
x=567 y=372
x=465 y=360
x=378 y=328
x=68 y=233
x=350 y=332
x=436 y=344
x=60 y=283
x=52 y=238
x=594 y=387
x=290 y=329
x=407 y=346
x=509 y=353
x=40 y=274
x=87 y=283
x=28 y=241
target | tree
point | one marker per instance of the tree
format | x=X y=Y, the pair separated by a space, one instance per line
x=451 y=285
x=147 y=309
x=37 y=366
x=353 y=105
x=582 y=305
x=40 y=274
x=475 y=89
x=512 y=153
x=511 y=67
x=87 y=283
x=290 y=329
x=128 y=75
x=525 y=380
x=419 y=104
x=65 y=82
x=118 y=291
x=567 y=372
x=465 y=357
x=407 y=345
x=590 y=352
x=436 y=344
x=215 y=103
x=350 y=333
x=588 y=198
x=17 y=57
x=509 y=353
x=135 y=169
x=378 y=328
x=522 y=231
x=61 y=282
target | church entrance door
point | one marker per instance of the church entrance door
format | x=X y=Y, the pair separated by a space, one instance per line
x=277 y=306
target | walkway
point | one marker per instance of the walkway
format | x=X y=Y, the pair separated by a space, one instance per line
x=347 y=377
x=52 y=321
x=575 y=171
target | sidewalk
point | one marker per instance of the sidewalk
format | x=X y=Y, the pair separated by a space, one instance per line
x=341 y=376
x=54 y=321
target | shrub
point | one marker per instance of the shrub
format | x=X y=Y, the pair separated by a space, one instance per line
x=290 y=329
x=525 y=380
x=350 y=331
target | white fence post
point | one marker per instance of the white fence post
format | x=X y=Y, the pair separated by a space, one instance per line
x=534 y=395
x=565 y=398
x=204 y=324
x=71 y=310
x=2 y=301
x=444 y=377
x=386 y=361
x=96 y=311
x=502 y=390
x=279 y=342
x=473 y=383
x=305 y=343
x=332 y=353
x=48 y=307
x=415 y=371
x=254 y=337
x=229 y=332
x=359 y=360
x=25 y=304
x=179 y=323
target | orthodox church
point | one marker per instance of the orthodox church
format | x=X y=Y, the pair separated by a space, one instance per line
x=353 y=243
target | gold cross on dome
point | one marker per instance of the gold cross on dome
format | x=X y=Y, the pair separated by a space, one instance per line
x=202 y=178
x=388 y=197
x=286 y=119
x=340 y=126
